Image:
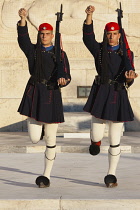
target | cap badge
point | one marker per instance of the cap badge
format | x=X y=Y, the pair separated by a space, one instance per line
x=44 y=28
x=112 y=28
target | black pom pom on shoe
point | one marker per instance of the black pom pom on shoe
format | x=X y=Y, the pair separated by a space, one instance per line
x=94 y=149
x=42 y=181
x=110 y=181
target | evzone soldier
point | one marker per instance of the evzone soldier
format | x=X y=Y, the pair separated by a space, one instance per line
x=108 y=100
x=42 y=102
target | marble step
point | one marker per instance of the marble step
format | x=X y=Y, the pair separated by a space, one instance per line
x=19 y=142
x=78 y=122
x=69 y=204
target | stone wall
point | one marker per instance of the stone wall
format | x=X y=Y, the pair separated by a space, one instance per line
x=13 y=65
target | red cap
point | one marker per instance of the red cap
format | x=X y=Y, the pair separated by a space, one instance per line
x=112 y=26
x=45 y=26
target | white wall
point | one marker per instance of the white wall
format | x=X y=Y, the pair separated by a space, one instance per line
x=13 y=65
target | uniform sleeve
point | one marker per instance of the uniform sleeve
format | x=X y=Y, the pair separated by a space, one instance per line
x=66 y=68
x=24 y=40
x=128 y=65
x=89 y=39
x=128 y=68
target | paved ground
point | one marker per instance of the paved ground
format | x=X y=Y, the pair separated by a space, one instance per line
x=75 y=178
x=77 y=181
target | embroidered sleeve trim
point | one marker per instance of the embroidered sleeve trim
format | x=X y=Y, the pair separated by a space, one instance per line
x=88 y=33
x=23 y=34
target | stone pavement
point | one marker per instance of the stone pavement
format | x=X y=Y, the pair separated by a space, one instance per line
x=77 y=179
x=76 y=183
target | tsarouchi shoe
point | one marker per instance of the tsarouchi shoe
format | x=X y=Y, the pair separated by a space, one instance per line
x=42 y=181
x=110 y=181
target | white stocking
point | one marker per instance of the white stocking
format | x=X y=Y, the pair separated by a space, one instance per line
x=97 y=129
x=50 y=139
x=34 y=130
x=114 y=151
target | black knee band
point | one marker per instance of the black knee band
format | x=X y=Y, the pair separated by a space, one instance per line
x=51 y=146
x=113 y=146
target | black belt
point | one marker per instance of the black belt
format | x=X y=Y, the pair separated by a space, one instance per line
x=48 y=84
x=113 y=82
x=117 y=85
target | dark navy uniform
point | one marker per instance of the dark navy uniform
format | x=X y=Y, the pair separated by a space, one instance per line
x=42 y=100
x=108 y=101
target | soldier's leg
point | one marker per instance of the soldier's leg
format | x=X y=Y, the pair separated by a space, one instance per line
x=34 y=130
x=50 y=153
x=96 y=134
x=114 y=151
x=50 y=139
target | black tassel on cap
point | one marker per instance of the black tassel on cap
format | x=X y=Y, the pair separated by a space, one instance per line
x=105 y=61
x=39 y=73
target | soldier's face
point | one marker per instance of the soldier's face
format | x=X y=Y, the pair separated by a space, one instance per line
x=113 y=37
x=46 y=37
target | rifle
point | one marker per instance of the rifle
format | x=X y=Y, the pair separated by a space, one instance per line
x=126 y=49
x=58 y=53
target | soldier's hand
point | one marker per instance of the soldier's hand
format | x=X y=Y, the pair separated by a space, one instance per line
x=61 y=81
x=22 y=13
x=130 y=75
x=90 y=9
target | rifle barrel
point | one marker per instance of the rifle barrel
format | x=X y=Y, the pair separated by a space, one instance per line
x=61 y=8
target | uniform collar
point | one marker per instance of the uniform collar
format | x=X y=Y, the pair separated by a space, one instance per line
x=47 y=48
x=109 y=47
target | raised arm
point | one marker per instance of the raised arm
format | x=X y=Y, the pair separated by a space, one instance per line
x=22 y=14
x=89 y=11
x=23 y=35
x=88 y=33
